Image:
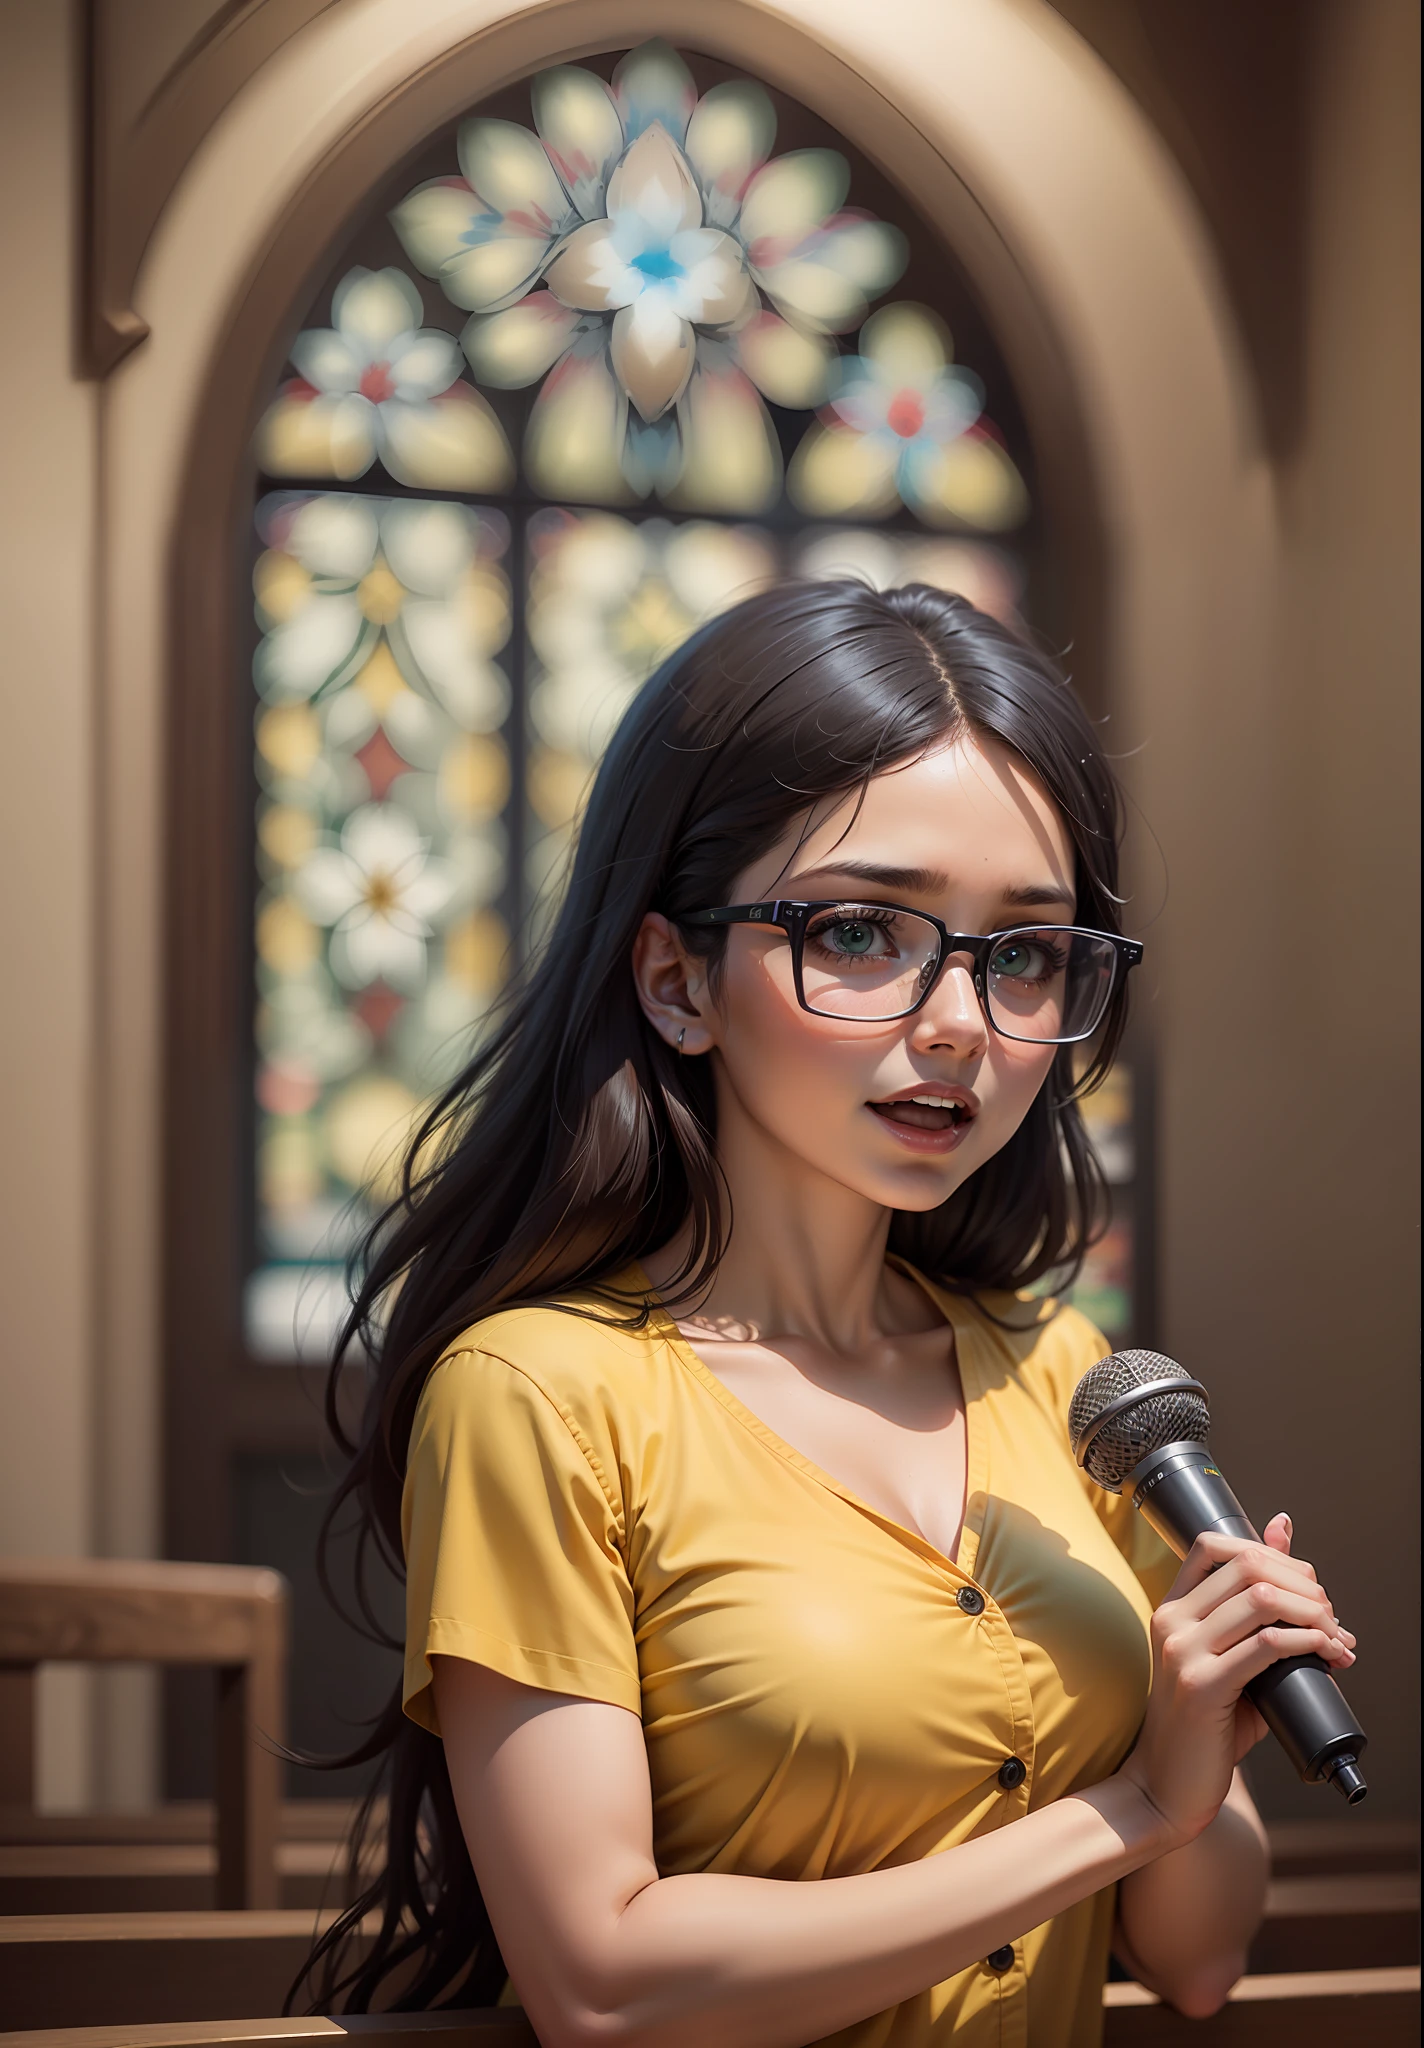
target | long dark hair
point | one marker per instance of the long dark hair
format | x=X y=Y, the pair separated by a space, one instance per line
x=576 y=1140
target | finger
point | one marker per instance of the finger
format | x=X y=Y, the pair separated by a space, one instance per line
x=1246 y=1563
x=1277 y=1533
x=1249 y=1659
x=1261 y=1605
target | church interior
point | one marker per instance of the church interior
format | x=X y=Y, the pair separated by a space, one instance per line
x=339 y=539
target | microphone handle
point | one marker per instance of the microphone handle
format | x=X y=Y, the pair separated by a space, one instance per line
x=1180 y=1491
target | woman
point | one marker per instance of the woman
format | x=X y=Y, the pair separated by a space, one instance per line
x=724 y=1443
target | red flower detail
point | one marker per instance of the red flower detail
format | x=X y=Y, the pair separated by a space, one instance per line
x=381 y=762
x=378 y=1007
x=905 y=414
x=376 y=383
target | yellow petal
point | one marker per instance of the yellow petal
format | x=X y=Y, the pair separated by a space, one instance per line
x=473 y=782
x=974 y=482
x=789 y=367
x=508 y=350
x=575 y=434
x=732 y=461
x=289 y=740
x=287 y=940
x=789 y=199
x=282 y=586
x=908 y=344
x=836 y=472
x=286 y=834
x=451 y=443
x=477 y=953
x=728 y=138
x=317 y=437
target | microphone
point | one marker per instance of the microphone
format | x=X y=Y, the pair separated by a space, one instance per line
x=1139 y=1423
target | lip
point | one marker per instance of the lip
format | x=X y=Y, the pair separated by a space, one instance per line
x=916 y=1139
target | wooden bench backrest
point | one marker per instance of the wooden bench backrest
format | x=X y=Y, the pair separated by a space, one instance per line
x=151 y=1611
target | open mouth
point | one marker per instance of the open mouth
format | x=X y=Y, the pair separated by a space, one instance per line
x=930 y=1111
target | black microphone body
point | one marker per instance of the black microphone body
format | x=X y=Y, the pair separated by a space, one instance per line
x=1180 y=1491
x=1139 y=1426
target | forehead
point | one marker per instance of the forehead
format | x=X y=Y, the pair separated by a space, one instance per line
x=972 y=810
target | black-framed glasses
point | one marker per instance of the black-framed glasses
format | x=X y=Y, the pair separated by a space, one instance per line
x=1045 y=984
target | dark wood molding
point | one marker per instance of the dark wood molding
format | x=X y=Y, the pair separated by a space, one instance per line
x=148 y=106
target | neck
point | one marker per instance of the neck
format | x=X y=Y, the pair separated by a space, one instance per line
x=805 y=1255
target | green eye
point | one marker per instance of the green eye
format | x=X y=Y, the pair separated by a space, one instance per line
x=852 y=938
x=1013 y=961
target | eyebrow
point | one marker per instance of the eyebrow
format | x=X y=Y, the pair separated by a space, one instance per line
x=933 y=882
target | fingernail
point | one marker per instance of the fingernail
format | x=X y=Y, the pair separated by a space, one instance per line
x=1290 y=1526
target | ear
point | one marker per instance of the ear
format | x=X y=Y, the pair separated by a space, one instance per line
x=672 y=986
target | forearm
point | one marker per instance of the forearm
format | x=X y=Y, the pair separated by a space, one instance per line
x=703 y=1959
x=1186 y=1921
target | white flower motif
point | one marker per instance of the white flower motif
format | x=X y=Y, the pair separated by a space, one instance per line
x=673 y=255
x=902 y=428
x=346 y=577
x=377 y=383
x=379 y=891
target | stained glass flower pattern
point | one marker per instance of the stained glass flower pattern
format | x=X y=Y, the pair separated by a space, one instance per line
x=435 y=684
x=904 y=427
x=378 y=384
x=382 y=845
x=685 y=276
x=608 y=598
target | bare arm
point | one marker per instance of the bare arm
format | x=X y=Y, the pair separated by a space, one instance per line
x=1185 y=1922
x=555 y=1802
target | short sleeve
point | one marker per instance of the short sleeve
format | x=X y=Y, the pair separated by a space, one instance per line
x=512 y=1542
x=1070 y=1344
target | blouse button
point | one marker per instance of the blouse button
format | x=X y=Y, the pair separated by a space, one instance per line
x=1012 y=1773
x=1001 y=1960
x=970 y=1599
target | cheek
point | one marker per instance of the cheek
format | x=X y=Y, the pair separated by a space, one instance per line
x=783 y=1062
x=1018 y=1072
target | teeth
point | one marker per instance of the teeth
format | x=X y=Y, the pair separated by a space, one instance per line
x=936 y=1102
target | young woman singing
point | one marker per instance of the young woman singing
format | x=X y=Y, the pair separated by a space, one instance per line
x=772 y=1674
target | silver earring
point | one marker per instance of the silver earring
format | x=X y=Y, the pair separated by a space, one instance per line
x=680 y=1036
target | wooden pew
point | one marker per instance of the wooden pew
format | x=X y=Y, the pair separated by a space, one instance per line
x=162 y=1860
x=1319 y=2009
x=108 y=1610
x=377 y=2030
x=139 y=1969
x=1334 y=2009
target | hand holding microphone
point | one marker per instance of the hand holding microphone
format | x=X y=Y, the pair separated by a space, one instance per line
x=1247 y=1638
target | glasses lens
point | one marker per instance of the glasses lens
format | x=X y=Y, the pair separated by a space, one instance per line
x=866 y=960
x=1049 y=983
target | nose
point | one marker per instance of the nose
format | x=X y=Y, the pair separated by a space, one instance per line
x=953 y=1016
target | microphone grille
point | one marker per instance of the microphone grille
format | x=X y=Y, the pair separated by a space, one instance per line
x=1175 y=1415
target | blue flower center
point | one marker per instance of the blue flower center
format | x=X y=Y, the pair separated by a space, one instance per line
x=657 y=265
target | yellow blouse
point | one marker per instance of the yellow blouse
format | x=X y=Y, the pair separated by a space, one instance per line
x=821 y=1691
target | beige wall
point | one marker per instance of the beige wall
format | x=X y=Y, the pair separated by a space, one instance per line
x=48 y=425
x=1276 y=718
x=1325 y=1284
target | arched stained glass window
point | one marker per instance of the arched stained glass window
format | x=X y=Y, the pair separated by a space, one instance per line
x=618 y=348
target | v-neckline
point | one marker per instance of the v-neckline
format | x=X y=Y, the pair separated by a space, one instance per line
x=976 y=1449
